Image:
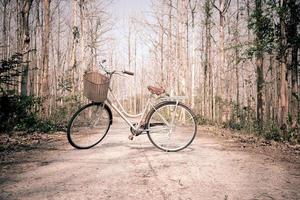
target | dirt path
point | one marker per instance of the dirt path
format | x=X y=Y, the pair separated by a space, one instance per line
x=122 y=169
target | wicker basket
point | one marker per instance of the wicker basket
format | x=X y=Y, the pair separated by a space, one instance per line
x=95 y=86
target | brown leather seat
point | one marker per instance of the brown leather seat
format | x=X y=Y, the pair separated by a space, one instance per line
x=156 y=90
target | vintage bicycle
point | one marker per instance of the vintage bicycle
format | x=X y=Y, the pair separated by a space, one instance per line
x=169 y=124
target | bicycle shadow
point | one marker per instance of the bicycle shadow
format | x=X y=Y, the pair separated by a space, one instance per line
x=148 y=148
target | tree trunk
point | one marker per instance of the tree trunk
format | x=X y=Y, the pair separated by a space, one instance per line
x=135 y=77
x=25 y=45
x=82 y=41
x=283 y=90
x=193 y=10
x=259 y=66
x=74 y=45
x=58 y=50
x=129 y=65
x=170 y=50
x=293 y=23
x=207 y=62
x=4 y=30
x=221 y=67
x=45 y=58
x=222 y=9
x=237 y=57
x=39 y=66
x=259 y=90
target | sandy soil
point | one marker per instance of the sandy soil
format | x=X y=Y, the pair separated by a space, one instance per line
x=211 y=168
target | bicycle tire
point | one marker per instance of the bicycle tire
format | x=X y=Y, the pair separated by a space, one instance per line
x=160 y=106
x=74 y=117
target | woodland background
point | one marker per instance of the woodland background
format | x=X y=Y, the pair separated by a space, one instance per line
x=237 y=61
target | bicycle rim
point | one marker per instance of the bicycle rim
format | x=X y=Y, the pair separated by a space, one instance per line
x=88 y=126
x=171 y=126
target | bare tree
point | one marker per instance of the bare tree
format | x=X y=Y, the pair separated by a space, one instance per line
x=45 y=57
x=26 y=6
x=222 y=8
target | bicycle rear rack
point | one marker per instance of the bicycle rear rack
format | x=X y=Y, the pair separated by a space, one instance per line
x=173 y=98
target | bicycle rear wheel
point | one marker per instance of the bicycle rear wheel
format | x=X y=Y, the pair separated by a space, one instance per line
x=171 y=126
x=89 y=125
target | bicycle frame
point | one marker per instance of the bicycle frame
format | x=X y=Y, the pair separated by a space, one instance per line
x=124 y=114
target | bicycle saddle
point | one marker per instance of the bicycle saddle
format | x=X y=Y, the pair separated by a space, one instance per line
x=156 y=90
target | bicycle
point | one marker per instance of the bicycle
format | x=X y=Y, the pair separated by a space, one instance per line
x=169 y=124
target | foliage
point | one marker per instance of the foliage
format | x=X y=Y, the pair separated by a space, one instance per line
x=18 y=112
x=202 y=120
x=271 y=131
x=242 y=118
x=245 y=119
x=22 y=113
x=9 y=71
x=262 y=24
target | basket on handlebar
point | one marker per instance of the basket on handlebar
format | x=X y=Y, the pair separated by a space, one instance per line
x=95 y=86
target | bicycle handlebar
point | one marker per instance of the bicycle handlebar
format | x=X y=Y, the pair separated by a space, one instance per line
x=128 y=73
x=113 y=72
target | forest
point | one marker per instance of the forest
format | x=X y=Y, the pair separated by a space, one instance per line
x=237 y=61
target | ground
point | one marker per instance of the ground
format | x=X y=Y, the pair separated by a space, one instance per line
x=213 y=167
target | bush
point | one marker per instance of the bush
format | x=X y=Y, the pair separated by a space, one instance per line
x=20 y=113
x=271 y=131
x=201 y=120
x=241 y=118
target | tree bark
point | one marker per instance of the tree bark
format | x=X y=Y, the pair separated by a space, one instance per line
x=82 y=41
x=292 y=30
x=283 y=90
x=207 y=61
x=259 y=66
x=45 y=58
x=237 y=57
x=74 y=45
x=26 y=6
x=4 y=30
x=170 y=49
x=129 y=64
x=193 y=62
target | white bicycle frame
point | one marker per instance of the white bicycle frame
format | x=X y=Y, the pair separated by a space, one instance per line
x=125 y=115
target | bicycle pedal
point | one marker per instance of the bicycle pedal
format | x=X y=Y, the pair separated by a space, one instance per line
x=130 y=137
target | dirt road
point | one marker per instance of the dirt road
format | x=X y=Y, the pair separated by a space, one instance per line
x=122 y=169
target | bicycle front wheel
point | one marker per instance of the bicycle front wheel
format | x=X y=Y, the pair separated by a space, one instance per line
x=89 y=125
x=171 y=126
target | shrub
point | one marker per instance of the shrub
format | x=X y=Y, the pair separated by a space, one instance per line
x=201 y=120
x=271 y=131
x=18 y=112
x=241 y=118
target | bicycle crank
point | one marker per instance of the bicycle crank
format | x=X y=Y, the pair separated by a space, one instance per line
x=136 y=132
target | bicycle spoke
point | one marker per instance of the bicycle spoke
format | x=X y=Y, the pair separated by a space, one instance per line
x=181 y=130
x=88 y=126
